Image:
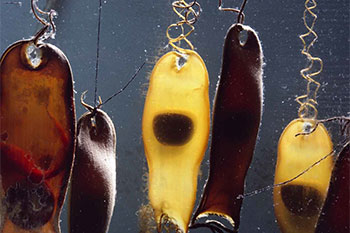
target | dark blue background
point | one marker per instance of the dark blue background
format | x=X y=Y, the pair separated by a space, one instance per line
x=134 y=30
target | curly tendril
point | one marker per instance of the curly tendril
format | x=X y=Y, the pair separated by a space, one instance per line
x=188 y=16
x=308 y=101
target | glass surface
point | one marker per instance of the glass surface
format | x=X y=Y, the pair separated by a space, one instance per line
x=134 y=31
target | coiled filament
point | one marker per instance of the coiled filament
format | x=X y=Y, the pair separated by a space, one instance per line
x=188 y=16
x=308 y=101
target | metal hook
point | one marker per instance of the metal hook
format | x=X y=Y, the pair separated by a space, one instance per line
x=241 y=16
x=51 y=14
x=36 y=8
x=87 y=106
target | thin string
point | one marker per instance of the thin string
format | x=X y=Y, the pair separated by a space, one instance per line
x=267 y=188
x=122 y=89
x=308 y=101
x=240 y=17
x=101 y=103
x=97 y=49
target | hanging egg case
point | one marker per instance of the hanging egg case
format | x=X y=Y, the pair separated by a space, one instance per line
x=236 y=119
x=177 y=98
x=299 y=202
x=93 y=180
x=36 y=88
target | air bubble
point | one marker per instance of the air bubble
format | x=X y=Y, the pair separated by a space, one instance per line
x=93 y=121
x=284 y=87
x=243 y=36
x=33 y=55
x=181 y=61
x=307 y=127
